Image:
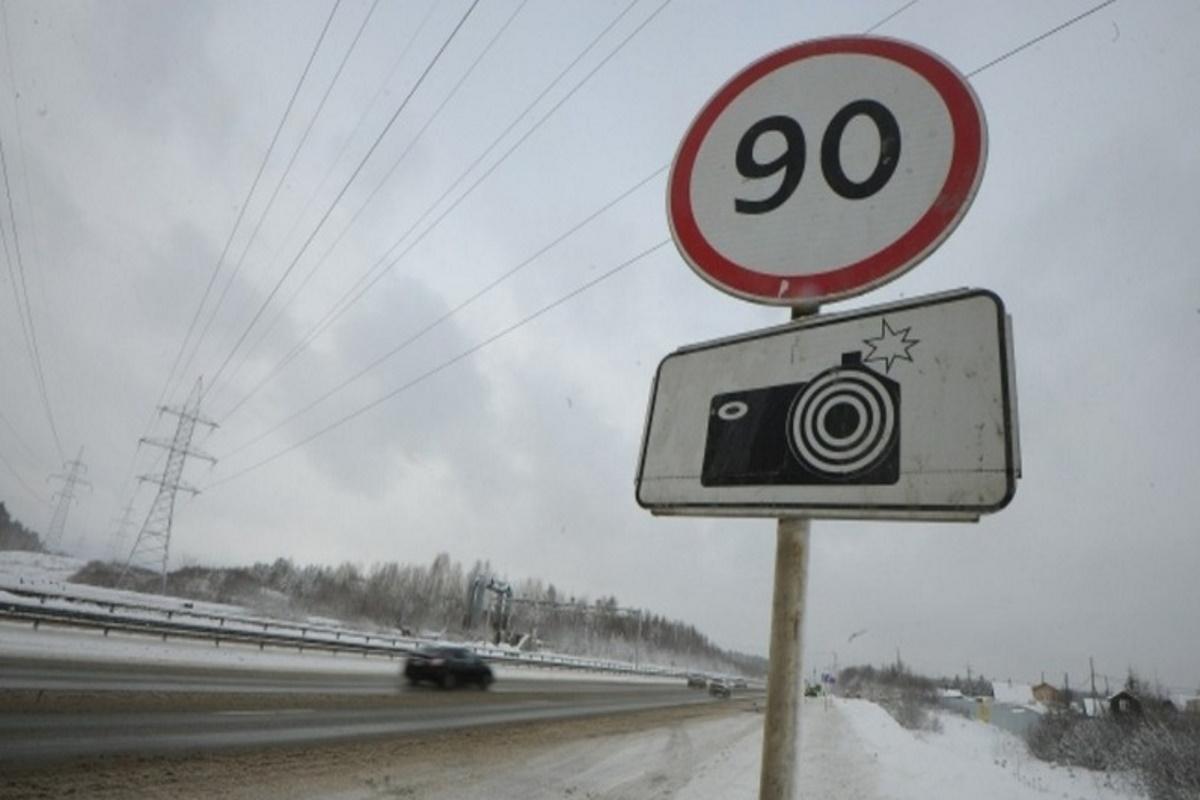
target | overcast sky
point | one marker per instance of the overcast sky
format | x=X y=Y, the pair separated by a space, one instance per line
x=133 y=131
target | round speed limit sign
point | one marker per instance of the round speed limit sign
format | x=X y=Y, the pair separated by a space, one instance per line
x=826 y=169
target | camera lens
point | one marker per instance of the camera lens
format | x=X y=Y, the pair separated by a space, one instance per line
x=843 y=423
x=842 y=419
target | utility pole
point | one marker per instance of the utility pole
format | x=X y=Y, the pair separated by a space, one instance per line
x=1092 y=670
x=63 y=498
x=154 y=540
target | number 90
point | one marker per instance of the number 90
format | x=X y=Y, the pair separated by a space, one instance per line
x=792 y=160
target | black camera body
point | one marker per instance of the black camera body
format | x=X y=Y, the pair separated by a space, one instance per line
x=841 y=427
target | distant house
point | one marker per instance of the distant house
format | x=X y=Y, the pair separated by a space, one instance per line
x=1017 y=694
x=1192 y=705
x=1046 y=694
x=1124 y=703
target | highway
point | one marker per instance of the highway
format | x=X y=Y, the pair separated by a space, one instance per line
x=319 y=707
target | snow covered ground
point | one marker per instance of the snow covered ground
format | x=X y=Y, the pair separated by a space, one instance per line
x=967 y=759
x=850 y=750
x=36 y=570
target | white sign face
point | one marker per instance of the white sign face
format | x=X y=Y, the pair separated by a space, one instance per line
x=826 y=169
x=905 y=411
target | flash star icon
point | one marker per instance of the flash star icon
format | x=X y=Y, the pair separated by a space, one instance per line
x=890 y=345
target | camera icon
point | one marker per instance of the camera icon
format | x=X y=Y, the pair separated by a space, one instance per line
x=841 y=427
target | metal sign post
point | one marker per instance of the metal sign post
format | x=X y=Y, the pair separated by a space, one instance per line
x=785 y=658
x=785 y=673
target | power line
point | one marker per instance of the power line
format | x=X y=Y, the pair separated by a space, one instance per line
x=444 y=365
x=262 y=307
x=1040 y=37
x=15 y=283
x=511 y=328
x=333 y=163
x=17 y=437
x=39 y=372
x=29 y=489
x=413 y=338
x=358 y=289
x=23 y=162
x=246 y=203
x=279 y=313
x=282 y=179
x=8 y=258
x=183 y=346
x=891 y=16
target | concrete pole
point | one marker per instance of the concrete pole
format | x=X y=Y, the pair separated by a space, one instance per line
x=785 y=682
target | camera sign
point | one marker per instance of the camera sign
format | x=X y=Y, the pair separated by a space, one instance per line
x=904 y=411
x=826 y=169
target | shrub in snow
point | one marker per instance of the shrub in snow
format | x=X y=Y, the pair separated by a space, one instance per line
x=1164 y=753
x=1161 y=753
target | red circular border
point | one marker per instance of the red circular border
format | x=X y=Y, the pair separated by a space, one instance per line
x=966 y=167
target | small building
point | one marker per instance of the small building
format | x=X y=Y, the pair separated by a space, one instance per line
x=1192 y=705
x=1046 y=694
x=1017 y=694
x=1124 y=703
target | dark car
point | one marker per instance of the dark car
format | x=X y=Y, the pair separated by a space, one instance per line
x=447 y=667
x=719 y=688
x=696 y=681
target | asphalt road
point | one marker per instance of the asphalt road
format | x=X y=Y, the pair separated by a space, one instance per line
x=42 y=674
x=50 y=675
x=34 y=736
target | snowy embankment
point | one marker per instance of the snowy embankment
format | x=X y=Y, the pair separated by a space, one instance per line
x=853 y=750
x=966 y=759
x=849 y=750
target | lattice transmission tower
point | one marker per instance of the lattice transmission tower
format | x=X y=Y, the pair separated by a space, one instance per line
x=72 y=478
x=153 y=543
x=120 y=530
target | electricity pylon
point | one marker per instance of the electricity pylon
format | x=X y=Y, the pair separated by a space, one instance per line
x=122 y=527
x=63 y=498
x=153 y=544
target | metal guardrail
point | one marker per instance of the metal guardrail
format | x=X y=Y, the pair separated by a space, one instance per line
x=185 y=609
x=198 y=624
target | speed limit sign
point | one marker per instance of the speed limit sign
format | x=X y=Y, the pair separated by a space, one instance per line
x=826 y=169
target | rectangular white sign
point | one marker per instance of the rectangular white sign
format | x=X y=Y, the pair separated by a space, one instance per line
x=904 y=411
